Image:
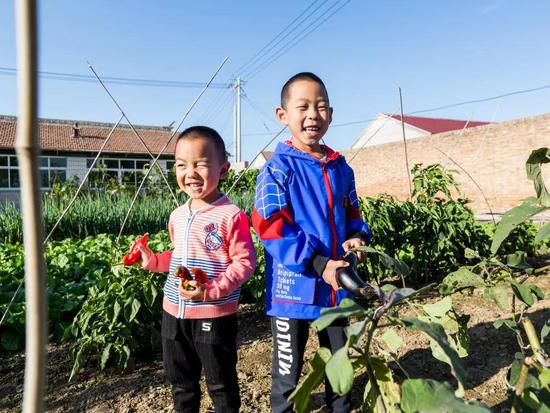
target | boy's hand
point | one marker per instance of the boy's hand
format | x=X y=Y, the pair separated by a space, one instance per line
x=329 y=275
x=352 y=243
x=146 y=254
x=195 y=295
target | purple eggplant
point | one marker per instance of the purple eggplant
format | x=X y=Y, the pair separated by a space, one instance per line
x=350 y=281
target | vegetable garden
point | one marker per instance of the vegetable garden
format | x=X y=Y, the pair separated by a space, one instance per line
x=427 y=254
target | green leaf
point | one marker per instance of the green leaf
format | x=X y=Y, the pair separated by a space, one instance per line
x=439 y=308
x=391 y=263
x=437 y=333
x=339 y=371
x=356 y=330
x=499 y=294
x=512 y=218
x=471 y=254
x=131 y=308
x=150 y=294
x=545 y=330
x=124 y=356
x=346 y=309
x=430 y=396
x=511 y=324
x=523 y=293
x=517 y=260
x=80 y=359
x=389 y=389
x=515 y=368
x=543 y=233
x=392 y=340
x=116 y=311
x=105 y=356
x=459 y=279
x=544 y=378
x=301 y=396
x=536 y=291
x=534 y=173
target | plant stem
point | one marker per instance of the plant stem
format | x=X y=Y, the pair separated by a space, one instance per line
x=372 y=377
x=520 y=385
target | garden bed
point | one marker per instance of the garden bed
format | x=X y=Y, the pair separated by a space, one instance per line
x=143 y=388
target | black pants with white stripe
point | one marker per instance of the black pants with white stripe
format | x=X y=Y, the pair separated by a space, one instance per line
x=289 y=342
x=190 y=345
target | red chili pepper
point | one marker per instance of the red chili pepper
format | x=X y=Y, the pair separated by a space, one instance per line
x=134 y=255
x=200 y=276
x=182 y=272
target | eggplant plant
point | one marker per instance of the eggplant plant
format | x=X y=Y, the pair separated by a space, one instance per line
x=443 y=326
x=529 y=376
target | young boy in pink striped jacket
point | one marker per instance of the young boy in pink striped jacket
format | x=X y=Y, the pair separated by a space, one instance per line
x=199 y=327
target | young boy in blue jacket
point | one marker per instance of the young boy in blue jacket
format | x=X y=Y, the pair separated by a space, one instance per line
x=306 y=215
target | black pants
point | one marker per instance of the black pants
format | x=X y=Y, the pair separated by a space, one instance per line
x=289 y=342
x=189 y=345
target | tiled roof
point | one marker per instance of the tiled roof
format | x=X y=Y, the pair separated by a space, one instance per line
x=437 y=125
x=58 y=135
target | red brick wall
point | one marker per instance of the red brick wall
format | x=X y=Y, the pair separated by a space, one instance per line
x=494 y=155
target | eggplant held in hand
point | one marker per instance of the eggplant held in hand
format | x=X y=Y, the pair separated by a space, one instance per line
x=350 y=281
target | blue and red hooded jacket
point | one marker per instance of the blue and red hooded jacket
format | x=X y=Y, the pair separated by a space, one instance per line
x=304 y=210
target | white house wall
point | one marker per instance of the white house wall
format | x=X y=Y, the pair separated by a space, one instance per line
x=385 y=129
x=76 y=166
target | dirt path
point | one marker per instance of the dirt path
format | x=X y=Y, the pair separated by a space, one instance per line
x=144 y=390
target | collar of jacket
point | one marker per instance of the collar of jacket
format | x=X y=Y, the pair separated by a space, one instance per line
x=287 y=148
x=222 y=200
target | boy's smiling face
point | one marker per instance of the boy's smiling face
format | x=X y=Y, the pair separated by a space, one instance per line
x=307 y=114
x=199 y=169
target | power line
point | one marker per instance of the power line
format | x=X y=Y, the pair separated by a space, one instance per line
x=259 y=52
x=263 y=57
x=293 y=42
x=71 y=77
x=434 y=109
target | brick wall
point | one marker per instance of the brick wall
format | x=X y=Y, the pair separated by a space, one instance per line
x=494 y=155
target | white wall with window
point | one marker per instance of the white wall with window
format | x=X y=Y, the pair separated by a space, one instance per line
x=124 y=171
x=52 y=169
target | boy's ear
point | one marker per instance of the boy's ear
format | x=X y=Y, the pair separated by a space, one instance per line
x=224 y=170
x=280 y=114
x=331 y=111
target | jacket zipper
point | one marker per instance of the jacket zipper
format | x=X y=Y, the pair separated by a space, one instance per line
x=184 y=257
x=331 y=220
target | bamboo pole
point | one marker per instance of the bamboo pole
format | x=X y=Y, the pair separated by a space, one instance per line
x=27 y=148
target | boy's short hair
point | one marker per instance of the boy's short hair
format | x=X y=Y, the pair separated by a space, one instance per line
x=300 y=76
x=204 y=132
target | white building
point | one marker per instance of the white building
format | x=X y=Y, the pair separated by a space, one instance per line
x=388 y=128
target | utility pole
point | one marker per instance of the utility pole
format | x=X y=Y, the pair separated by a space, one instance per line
x=237 y=116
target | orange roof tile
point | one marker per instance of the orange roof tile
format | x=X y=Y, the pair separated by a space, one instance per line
x=58 y=135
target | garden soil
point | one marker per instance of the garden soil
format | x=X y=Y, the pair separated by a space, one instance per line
x=143 y=388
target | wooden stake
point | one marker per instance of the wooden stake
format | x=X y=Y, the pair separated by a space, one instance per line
x=28 y=148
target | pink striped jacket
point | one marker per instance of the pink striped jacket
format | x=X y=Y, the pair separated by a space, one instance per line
x=216 y=239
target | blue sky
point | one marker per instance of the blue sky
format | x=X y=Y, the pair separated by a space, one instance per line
x=438 y=52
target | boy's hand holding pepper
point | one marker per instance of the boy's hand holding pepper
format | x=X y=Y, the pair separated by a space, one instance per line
x=146 y=254
x=197 y=294
x=134 y=256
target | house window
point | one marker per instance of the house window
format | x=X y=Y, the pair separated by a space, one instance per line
x=123 y=171
x=9 y=172
x=53 y=169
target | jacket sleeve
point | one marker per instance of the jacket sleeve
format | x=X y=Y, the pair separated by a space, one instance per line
x=161 y=262
x=355 y=226
x=243 y=260
x=272 y=220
